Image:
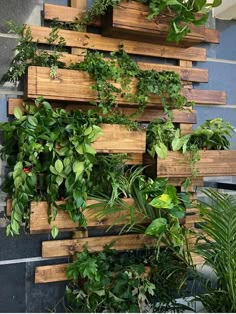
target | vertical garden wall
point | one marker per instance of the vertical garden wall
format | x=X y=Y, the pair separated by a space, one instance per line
x=20 y=256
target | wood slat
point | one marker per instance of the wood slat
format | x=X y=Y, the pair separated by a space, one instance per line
x=180 y=116
x=212 y=163
x=61 y=248
x=119 y=139
x=205 y=97
x=98 y=42
x=71 y=85
x=51 y=273
x=39 y=217
x=65 y=14
x=55 y=273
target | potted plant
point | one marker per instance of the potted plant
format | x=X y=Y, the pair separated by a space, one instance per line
x=204 y=152
x=154 y=20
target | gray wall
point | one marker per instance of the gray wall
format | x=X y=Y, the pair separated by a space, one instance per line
x=20 y=255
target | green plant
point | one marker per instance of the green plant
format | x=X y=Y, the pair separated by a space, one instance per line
x=217 y=245
x=27 y=52
x=112 y=282
x=212 y=134
x=122 y=69
x=183 y=13
x=50 y=157
x=156 y=211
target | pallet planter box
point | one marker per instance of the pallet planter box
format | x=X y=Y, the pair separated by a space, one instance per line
x=129 y=21
x=212 y=163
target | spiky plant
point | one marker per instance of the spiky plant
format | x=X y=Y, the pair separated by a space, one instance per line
x=219 y=249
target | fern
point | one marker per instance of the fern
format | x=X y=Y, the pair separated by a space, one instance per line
x=219 y=216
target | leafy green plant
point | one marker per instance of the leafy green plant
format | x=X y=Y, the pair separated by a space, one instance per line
x=28 y=53
x=51 y=149
x=111 y=282
x=156 y=211
x=212 y=134
x=217 y=245
x=182 y=13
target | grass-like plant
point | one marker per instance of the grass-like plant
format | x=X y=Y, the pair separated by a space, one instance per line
x=219 y=250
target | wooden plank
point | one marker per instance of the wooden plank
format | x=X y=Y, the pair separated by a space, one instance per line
x=39 y=217
x=72 y=85
x=61 y=248
x=67 y=14
x=119 y=139
x=212 y=163
x=180 y=116
x=128 y=20
x=81 y=6
x=185 y=128
x=205 y=97
x=98 y=42
x=55 y=273
x=51 y=273
x=195 y=182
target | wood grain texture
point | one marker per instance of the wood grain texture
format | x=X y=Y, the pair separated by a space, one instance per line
x=39 y=217
x=51 y=273
x=61 y=248
x=129 y=20
x=180 y=116
x=71 y=85
x=98 y=42
x=119 y=139
x=212 y=163
x=66 y=14
x=56 y=273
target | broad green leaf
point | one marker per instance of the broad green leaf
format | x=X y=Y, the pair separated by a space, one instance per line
x=161 y=150
x=163 y=201
x=79 y=149
x=59 y=166
x=53 y=170
x=18 y=113
x=59 y=180
x=78 y=167
x=177 y=212
x=156 y=227
x=88 y=130
x=89 y=149
x=33 y=121
x=78 y=198
x=54 y=232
